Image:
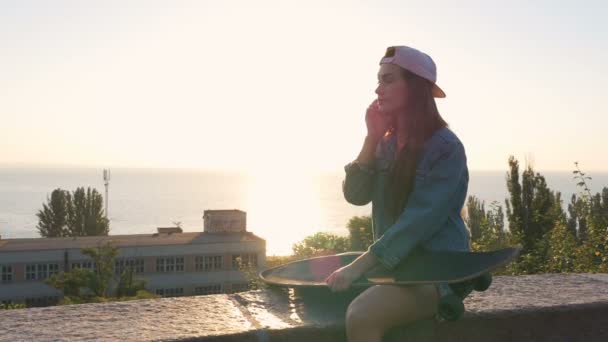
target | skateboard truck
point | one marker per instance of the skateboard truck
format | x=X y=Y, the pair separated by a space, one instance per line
x=451 y=307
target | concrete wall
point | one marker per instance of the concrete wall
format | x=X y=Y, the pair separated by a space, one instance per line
x=562 y=307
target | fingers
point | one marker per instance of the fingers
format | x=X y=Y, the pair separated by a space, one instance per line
x=333 y=281
x=376 y=119
x=337 y=282
x=340 y=284
x=330 y=279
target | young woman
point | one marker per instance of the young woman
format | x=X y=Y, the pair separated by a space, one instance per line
x=413 y=169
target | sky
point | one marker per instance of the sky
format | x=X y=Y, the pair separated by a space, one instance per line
x=283 y=85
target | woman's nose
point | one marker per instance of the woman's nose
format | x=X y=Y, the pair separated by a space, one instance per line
x=378 y=89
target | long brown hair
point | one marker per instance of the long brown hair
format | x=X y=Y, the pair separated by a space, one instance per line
x=422 y=119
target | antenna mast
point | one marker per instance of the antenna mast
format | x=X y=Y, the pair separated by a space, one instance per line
x=106 y=182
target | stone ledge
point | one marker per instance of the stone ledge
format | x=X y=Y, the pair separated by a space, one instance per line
x=550 y=307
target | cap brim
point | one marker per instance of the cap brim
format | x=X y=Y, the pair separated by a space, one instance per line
x=437 y=92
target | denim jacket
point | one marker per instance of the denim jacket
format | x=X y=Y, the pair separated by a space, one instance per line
x=431 y=219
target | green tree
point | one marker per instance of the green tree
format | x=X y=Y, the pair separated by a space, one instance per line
x=321 y=244
x=52 y=219
x=533 y=211
x=103 y=256
x=577 y=223
x=514 y=203
x=128 y=285
x=475 y=214
x=71 y=283
x=86 y=214
x=360 y=232
x=486 y=227
x=11 y=306
x=598 y=213
x=85 y=286
x=496 y=221
x=78 y=214
x=562 y=251
x=250 y=271
x=591 y=213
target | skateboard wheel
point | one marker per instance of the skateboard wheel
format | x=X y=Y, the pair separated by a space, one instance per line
x=482 y=282
x=450 y=307
x=463 y=289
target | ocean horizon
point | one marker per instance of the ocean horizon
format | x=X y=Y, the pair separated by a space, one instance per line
x=282 y=207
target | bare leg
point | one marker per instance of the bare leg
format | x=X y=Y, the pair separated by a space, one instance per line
x=382 y=307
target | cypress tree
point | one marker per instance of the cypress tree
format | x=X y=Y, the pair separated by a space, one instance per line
x=78 y=214
x=52 y=219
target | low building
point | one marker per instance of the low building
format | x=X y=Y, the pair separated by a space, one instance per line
x=173 y=263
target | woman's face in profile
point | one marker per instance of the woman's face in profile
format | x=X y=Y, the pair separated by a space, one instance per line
x=392 y=89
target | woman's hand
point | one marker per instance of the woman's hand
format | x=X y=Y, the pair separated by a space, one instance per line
x=376 y=120
x=342 y=278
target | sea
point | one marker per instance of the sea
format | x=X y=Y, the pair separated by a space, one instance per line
x=281 y=207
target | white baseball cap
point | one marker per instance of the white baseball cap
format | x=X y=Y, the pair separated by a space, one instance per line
x=414 y=61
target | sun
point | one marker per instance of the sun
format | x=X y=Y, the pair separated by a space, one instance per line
x=283 y=207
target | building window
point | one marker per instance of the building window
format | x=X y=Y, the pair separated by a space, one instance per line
x=30 y=272
x=170 y=264
x=208 y=289
x=6 y=272
x=240 y=287
x=121 y=265
x=53 y=269
x=248 y=259
x=173 y=292
x=87 y=265
x=208 y=262
x=40 y=271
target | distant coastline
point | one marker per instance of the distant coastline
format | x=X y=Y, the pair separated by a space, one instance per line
x=281 y=210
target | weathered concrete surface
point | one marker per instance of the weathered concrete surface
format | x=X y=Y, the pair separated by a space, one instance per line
x=566 y=307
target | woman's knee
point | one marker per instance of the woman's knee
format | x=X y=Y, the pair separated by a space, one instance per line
x=355 y=315
x=360 y=324
x=359 y=315
x=380 y=308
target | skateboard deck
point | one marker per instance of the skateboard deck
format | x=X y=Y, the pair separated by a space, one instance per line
x=420 y=268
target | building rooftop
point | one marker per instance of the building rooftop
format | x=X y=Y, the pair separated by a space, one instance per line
x=211 y=211
x=139 y=240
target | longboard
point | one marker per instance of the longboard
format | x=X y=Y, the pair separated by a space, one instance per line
x=421 y=268
x=462 y=271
